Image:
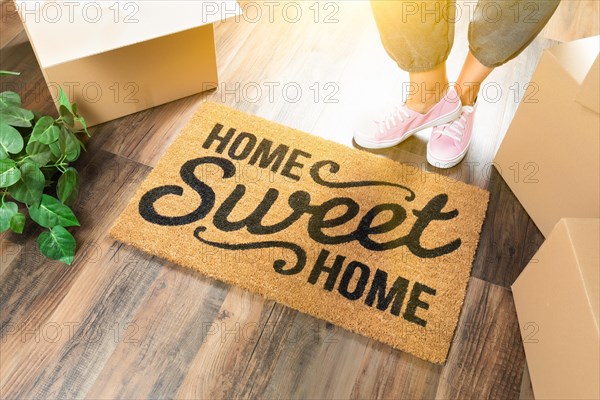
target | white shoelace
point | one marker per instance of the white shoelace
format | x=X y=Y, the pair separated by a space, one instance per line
x=456 y=128
x=392 y=119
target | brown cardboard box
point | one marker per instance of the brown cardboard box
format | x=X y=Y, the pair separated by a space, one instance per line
x=549 y=156
x=556 y=298
x=117 y=58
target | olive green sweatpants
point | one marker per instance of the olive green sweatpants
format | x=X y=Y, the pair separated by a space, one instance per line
x=418 y=34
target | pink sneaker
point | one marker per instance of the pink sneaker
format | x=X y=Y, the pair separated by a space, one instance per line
x=449 y=143
x=403 y=122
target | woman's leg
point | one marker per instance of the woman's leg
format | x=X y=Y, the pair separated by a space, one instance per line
x=499 y=31
x=426 y=88
x=418 y=35
x=471 y=77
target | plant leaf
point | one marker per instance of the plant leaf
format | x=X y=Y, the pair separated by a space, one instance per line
x=51 y=212
x=68 y=186
x=66 y=115
x=73 y=147
x=7 y=211
x=11 y=140
x=16 y=116
x=9 y=173
x=83 y=125
x=45 y=131
x=10 y=73
x=81 y=144
x=39 y=153
x=17 y=223
x=29 y=188
x=63 y=100
x=10 y=99
x=69 y=144
x=57 y=244
x=57 y=148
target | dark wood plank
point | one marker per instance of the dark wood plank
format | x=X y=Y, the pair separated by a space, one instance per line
x=11 y=23
x=487 y=358
x=85 y=327
x=18 y=56
x=390 y=374
x=526 y=388
x=329 y=358
x=33 y=286
x=154 y=131
x=228 y=347
x=509 y=238
x=9 y=252
x=298 y=356
x=106 y=185
x=295 y=358
x=171 y=326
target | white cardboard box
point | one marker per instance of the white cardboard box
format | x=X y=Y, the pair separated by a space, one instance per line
x=556 y=297
x=117 y=58
x=549 y=156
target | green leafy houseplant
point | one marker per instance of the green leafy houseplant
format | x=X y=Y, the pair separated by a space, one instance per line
x=35 y=173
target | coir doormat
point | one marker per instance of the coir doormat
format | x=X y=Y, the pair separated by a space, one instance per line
x=377 y=247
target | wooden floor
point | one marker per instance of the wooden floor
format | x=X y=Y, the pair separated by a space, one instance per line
x=122 y=324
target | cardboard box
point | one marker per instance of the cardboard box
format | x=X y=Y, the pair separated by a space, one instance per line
x=117 y=58
x=549 y=156
x=556 y=298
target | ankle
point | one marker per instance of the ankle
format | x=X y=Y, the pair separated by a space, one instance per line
x=423 y=105
x=467 y=95
x=468 y=101
x=420 y=106
x=426 y=97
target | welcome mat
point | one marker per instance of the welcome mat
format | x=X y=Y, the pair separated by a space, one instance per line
x=377 y=247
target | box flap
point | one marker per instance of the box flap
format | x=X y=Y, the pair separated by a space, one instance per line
x=577 y=57
x=589 y=93
x=62 y=31
x=585 y=239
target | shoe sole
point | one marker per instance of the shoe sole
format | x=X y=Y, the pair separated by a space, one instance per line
x=365 y=143
x=445 y=164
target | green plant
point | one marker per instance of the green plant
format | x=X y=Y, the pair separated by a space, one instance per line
x=35 y=156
